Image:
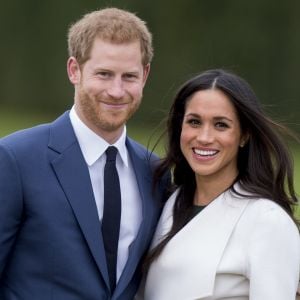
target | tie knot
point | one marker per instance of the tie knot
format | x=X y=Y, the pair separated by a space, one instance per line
x=111 y=153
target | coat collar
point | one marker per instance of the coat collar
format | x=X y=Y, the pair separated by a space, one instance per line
x=198 y=247
x=141 y=162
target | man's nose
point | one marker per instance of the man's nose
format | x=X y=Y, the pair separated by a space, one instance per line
x=116 y=89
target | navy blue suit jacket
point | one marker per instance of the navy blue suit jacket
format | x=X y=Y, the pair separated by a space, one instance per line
x=51 y=246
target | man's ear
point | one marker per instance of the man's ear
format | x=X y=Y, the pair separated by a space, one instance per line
x=146 y=73
x=73 y=69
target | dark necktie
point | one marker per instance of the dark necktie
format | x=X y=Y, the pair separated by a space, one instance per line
x=111 y=213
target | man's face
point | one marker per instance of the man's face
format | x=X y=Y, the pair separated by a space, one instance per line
x=108 y=86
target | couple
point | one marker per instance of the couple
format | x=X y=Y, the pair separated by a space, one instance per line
x=225 y=232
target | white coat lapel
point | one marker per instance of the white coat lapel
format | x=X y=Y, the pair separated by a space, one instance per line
x=191 y=258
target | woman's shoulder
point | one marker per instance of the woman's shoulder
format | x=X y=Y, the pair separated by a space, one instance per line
x=262 y=212
x=261 y=207
x=266 y=215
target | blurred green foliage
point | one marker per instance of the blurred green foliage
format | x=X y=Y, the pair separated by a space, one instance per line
x=259 y=40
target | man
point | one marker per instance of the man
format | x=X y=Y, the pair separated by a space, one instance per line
x=52 y=191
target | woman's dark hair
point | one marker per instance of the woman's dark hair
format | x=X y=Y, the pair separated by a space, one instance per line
x=264 y=164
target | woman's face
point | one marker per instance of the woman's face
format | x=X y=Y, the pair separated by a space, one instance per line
x=211 y=135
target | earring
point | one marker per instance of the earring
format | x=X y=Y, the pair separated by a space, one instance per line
x=242 y=144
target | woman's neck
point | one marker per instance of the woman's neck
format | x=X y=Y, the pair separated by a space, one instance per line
x=208 y=190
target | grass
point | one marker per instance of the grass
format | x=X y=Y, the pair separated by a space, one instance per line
x=11 y=121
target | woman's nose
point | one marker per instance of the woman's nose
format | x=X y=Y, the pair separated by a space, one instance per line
x=205 y=135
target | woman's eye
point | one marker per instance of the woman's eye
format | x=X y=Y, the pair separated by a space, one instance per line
x=221 y=125
x=193 y=122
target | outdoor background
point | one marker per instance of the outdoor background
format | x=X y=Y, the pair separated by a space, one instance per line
x=259 y=40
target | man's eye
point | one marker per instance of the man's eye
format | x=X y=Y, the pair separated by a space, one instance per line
x=103 y=74
x=130 y=76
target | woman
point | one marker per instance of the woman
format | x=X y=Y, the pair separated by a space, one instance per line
x=227 y=232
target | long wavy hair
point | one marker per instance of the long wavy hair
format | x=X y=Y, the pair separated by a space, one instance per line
x=265 y=166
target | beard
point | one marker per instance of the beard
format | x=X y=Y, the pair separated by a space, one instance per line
x=104 y=120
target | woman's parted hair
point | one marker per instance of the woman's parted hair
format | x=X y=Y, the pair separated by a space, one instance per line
x=112 y=25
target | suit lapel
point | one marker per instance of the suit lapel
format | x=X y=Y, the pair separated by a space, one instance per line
x=73 y=176
x=199 y=246
x=150 y=211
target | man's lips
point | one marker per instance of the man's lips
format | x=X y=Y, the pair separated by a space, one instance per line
x=114 y=105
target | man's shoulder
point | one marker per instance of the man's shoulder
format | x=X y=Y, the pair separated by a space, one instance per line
x=28 y=136
x=24 y=134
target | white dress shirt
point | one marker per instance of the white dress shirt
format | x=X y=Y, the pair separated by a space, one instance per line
x=93 y=148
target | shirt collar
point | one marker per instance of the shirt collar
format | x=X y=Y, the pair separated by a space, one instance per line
x=92 y=145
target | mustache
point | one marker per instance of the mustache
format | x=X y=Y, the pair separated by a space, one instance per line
x=113 y=100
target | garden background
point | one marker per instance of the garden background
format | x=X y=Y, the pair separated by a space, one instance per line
x=260 y=40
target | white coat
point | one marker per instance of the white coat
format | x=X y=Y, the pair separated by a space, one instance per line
x=236 y=248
